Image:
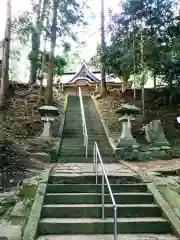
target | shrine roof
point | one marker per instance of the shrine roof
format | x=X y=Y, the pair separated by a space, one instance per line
x=84 y=72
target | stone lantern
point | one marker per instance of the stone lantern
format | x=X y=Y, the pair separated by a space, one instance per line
x=48 y=115
x=128 y=113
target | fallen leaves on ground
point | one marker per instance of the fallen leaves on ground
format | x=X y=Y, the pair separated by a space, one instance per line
x=20 y=122
x=156 y=107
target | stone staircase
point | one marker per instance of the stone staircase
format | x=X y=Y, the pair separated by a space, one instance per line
x=72 y=203
x=72 y=149
x=96 y=131
x=72 y=210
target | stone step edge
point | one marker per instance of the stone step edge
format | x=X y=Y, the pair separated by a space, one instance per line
x=99 y=194
x=99 y=220
x=99 y=205
x=116 y=185
x=109 y=237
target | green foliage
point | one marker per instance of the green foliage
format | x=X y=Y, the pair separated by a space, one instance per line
x=60 y=62
x=69 y=13
x=149 y=23
x=95 y=61
x=31 y=25
x=23 y=26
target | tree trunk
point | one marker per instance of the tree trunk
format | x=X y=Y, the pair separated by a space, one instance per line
x=34 y=51
x=103 y=69
x=41 y=77
x=142 y=80
x=134 y=63
x=51 y=57
x=6 y=53
x=44 y=52
x=35 y=42
x=154 y=79
x=143 y=100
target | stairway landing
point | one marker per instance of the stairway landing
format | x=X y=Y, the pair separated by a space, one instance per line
x=87 y=168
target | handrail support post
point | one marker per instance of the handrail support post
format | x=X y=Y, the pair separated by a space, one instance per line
x=96 y=156
x=115 y=224
x=94 y=159
x=102 y=194
x=96 y=165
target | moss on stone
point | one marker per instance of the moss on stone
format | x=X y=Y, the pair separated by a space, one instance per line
x=2 y=210
x=27 y=191
x=176 y=151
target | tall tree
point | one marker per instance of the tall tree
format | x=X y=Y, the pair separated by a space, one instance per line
x=6 y=54
x=36 y=36
x=41 y=72
x=51 y=57
x=124 y=28
x=65 y=14
x=103 y=45
x=142 y=72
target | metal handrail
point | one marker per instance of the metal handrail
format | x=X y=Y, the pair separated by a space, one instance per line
x=96 y=156
x=85 y=133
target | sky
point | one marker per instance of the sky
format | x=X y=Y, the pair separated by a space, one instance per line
x=90 y=35
x=17 y=6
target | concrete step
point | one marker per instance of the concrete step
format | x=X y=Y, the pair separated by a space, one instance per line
x=100 y=226
x=79 y=151
x=75 y=148
x=110 y=237
x=80 y=138
x=93 y=188
x=95 y=210
x=72 y=136
x=67 y=134
x=76 y=123
x=80 y=141
x=74 y=109
x=96 y=198
x=73 y=113
x=71 y=143
x=78 y=127
x=100 y=134
x=80 y=156
x=90 y=179
x=73 y=102
x=64 y=158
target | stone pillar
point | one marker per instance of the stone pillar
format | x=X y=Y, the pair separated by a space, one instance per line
x=126 y=129
x=126 y=138
x=47 y=131
x=97 y=88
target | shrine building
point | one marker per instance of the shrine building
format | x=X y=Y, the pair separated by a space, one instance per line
x=88 y=80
